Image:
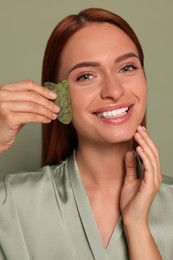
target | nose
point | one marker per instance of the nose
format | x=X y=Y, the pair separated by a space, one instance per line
x=111 y=88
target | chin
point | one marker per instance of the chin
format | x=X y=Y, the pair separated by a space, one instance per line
x=125 y=136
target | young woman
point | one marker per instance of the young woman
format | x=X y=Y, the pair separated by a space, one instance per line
x=101 y=196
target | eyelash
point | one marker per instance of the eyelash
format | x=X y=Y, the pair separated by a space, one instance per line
x=125 y=69
x=81 y=77
x=129 y=67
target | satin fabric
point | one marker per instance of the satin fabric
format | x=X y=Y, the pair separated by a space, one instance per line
x=46 y=215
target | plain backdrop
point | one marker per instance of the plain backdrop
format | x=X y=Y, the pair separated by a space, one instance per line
x=24 y=30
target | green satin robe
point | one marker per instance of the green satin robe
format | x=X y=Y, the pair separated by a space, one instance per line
x=46 y=215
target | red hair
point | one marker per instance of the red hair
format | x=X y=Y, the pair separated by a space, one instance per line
x=59 y=140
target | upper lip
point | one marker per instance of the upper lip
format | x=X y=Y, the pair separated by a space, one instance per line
x=112 y=107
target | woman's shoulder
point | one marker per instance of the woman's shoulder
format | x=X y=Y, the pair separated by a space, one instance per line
x=161 y=215
x=163 y=201
x=30 y=208
x=167 y=181
x=167 y=184
x=166 y=189
x=26 y=183
x=165 y=193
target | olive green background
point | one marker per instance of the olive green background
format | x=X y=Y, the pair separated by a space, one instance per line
x=24 y=29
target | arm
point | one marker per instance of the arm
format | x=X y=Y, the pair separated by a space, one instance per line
x=137 y=196
x=141 y=243
x=21 y=103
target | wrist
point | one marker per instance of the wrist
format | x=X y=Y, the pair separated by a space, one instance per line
x=138 y=228
x=131 y=221
x=140 y=242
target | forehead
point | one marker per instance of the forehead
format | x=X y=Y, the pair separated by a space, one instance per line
x=97 y=41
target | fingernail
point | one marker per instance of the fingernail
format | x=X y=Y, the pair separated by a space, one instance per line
x=138 y=135
x=144 y=129
x=52 y=94
x=56 y=108
x=139 y=148
x=54 y=116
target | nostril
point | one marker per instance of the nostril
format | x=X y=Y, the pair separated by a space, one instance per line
x=111 y=93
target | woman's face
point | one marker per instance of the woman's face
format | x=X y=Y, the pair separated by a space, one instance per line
x=107 y=83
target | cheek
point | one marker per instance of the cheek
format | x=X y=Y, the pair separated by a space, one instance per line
x=78 y=106
x=141 y=89
x=77 y=99
x=81 y=97
x=142 y=96
x=144 y=93
x=79 y=102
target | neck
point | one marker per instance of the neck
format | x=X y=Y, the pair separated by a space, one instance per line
x=101 y=165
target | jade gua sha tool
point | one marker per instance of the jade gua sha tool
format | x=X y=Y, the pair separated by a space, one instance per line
x=62 y=89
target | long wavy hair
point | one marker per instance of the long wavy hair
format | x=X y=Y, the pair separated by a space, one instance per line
x=59 y=140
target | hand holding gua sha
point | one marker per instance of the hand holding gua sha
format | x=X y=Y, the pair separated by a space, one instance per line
x=62 y=89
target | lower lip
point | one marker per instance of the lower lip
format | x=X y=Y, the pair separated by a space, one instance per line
x=117 y=120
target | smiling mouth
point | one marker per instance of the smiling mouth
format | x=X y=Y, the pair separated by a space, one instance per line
x=114 y=113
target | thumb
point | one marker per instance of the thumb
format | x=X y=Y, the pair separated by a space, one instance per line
x=130 y=163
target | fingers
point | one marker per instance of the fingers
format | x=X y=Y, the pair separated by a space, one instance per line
x=21 y=103
x=150 y=157
x=20 y=108
x=29 y=85
x=16 y=120
x=28 y=97
x=130 y=163
x=33 y=97
x=24 y=91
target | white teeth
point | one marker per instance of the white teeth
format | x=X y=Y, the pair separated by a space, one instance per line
x=114 y=113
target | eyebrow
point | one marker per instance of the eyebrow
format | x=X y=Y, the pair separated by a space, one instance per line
x=97 y=64
x=84 y=64
x=126 y=56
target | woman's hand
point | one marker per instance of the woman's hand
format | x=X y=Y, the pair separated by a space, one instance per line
x=21 y=103
x=137 y=194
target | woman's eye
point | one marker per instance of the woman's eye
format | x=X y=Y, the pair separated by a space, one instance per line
x=128 y=68
x=86 y=76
